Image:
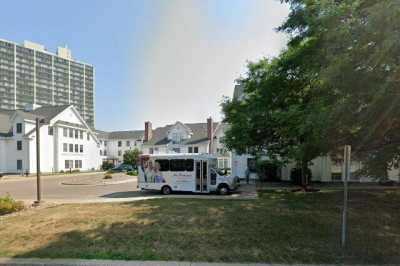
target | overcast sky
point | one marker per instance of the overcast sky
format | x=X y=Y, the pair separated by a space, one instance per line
x=157 y=60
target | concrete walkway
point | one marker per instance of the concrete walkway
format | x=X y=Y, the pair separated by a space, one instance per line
x=76 y=262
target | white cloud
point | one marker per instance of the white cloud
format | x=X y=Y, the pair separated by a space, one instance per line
x=195 y=57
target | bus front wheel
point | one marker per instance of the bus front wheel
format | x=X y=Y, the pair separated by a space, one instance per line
x=166 y=190
x=223 y=189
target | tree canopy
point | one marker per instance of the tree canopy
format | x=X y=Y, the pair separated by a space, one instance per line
x=131 y=156
x=336 y=83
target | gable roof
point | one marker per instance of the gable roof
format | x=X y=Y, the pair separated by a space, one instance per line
x=127 y=134
x=49 y=112
x=44 y=112
x=160 y=135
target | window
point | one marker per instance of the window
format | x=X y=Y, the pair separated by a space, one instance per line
x=164 y=165
x=88 y=136
x=119 y=153
x=189 y=165
x=81 y=134
x=65 y=147
x=105 y=153
x=81 y=148
x=71 y=133
x=19 y=145
x=119 y=143
x=101 y=153
x=78 y=164
x=19 y=127
x=76 y=148
x=19 y=164
x=177 y=165
x=71 y=147
x=65 y=132
x=128 y=143
x=196 y=149
x=76 y=133
x=69 y=164
x=105 y=143
x=151 y=151
x=190 y=150
x=51 y=131
x=177 y=150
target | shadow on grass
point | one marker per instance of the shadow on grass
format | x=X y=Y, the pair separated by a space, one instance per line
x=278 y=228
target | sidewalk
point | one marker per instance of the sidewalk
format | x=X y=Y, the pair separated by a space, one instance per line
x=77 y=262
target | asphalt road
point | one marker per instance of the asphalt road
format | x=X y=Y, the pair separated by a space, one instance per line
x=52 y=189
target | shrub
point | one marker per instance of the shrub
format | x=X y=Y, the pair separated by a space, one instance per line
x=107 y=165
x=133 y=173
x=75 y=171
x=110 y=172
x=107 y=176
x=9 y=205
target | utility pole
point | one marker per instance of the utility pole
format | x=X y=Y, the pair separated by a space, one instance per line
x=38 y=182
x=346 y=177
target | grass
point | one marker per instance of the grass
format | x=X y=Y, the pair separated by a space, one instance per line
x=9 y=205
x=278 y=227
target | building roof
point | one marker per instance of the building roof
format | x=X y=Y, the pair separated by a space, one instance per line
x=128 y=134
x=46 y=112
x=160 y=135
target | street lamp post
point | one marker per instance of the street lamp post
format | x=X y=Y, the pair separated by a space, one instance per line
x=38 y=181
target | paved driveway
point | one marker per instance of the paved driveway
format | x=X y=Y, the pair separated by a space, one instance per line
x=55 y=190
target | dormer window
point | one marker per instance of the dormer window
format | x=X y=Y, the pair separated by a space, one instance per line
x=176 y=137
x=19 y=128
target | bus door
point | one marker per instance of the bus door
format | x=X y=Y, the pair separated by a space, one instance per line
x=201 y=176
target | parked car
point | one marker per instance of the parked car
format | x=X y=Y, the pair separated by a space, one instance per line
x=123 y=168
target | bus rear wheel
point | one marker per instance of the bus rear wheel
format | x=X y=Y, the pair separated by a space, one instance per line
x=223 y=189
x=166 y=190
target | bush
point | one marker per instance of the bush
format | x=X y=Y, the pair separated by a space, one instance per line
x=133 y=173
x=9 y=205
x=107 y=165
x=75 y=171
x=295 y=176
x=110 y=172
x=107 y=176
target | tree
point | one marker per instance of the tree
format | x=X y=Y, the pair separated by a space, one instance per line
x=279 y=116
x=358 y=41
x=131 y=156
x=336 y=83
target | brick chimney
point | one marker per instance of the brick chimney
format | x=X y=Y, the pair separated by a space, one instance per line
x=210 y=133
x=148 y=131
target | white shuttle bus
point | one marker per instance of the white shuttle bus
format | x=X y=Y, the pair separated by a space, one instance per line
x=183 y=172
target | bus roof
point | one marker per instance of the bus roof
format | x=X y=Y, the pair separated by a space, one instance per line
x=180 y=155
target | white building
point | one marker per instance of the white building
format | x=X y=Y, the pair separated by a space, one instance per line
x=66 y=141
x=114 y=144
x=187 y=138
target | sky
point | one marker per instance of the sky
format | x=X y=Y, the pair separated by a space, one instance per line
x=155 y=60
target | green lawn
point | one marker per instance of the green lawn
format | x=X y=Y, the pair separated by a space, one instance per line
x=278 y=227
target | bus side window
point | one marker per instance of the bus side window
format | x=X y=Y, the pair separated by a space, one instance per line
x=164 y=165
x=213 y=177
x=178 y=165
x=189 y=165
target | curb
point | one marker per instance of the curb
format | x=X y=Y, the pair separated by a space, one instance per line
x=99 y=184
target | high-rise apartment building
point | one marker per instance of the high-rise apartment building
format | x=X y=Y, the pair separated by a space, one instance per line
x=29 y=74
